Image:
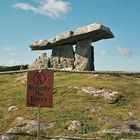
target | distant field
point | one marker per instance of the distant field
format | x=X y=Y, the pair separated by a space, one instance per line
x=95 y=114
x=12 y=68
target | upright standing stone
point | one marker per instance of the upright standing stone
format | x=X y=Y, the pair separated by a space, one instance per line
x=92 y=66
x=84 y=55
x=62 y=57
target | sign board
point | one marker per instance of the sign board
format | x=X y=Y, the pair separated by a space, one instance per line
x=39 y=88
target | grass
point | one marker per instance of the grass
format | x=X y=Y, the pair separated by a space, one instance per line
x=71 y=104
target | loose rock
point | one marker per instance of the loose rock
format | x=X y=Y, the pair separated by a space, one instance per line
x=134 y=125
x=12 y=108
x=74 y=125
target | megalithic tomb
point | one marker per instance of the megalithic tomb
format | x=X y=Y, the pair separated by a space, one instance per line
x=79 y=57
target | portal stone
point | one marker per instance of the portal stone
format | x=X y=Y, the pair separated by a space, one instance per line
x=84 y=55
x=62 y=57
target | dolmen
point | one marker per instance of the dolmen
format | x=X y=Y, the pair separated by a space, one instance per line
x=73 y=49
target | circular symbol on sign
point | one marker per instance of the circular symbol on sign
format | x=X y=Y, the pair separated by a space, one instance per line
x=39 y=78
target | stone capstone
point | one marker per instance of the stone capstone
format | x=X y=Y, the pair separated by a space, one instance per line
x=41 y=62
x=62 y=57
x=84 y=56
x=41 y=44
x=62 y=36
x=95 y=32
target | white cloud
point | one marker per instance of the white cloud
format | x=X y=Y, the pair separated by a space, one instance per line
x=50 y=8
x=103 y=53
x=24 y=6
x=124 y=51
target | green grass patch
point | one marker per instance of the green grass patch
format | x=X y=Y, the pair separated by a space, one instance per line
x=72 y=104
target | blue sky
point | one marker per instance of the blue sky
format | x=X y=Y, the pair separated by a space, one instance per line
x=24 y=21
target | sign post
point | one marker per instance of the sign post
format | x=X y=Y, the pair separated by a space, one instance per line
x=38 y=128
x=39 y=91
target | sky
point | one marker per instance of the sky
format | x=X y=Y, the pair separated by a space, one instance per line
x=24 y=21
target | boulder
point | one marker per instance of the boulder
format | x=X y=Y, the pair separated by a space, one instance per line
x=41 y=62
x=84 y=56
x=12 y=108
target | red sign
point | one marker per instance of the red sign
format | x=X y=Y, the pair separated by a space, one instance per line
x=39 y=88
